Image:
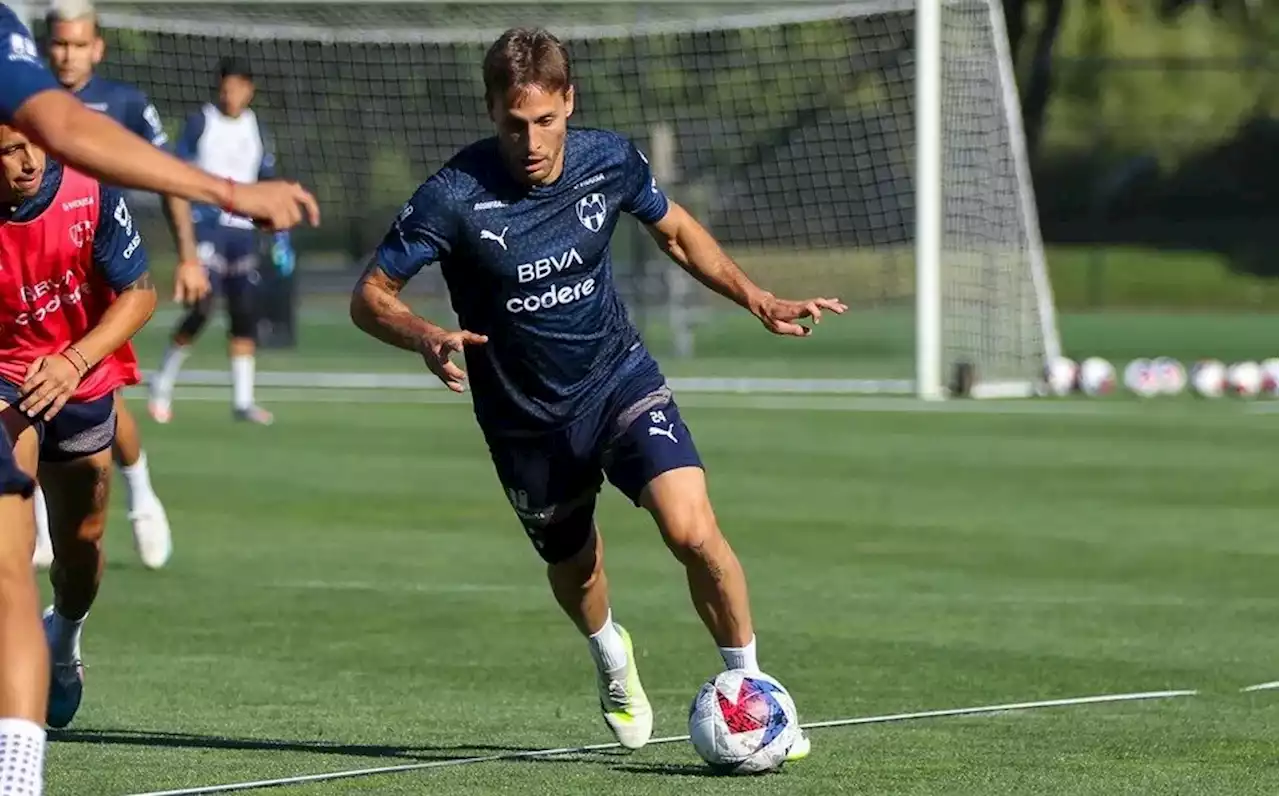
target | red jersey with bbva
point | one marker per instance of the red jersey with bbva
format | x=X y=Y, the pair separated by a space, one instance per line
x=51 y=291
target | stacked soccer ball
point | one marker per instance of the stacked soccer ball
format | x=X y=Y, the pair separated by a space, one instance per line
x=1208 y=378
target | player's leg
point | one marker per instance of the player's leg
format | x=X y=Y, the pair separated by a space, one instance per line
x=75 y=468
x=151 y=537
x=24 y=658
x=242 y=344
x=654 y=462
x=554 y=493
x=160 y=401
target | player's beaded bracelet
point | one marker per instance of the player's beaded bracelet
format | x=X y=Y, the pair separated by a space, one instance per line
x=83 y=359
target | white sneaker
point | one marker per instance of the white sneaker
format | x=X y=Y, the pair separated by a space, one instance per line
x=626 y=709
x=151 y=537
x=161 y=409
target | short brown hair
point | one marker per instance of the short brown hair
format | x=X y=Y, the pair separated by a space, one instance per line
x=525 y=57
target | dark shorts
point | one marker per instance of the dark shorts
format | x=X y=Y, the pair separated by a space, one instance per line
x=552 y=479
x=231 y=255
x=12 y=480
x=80 y=429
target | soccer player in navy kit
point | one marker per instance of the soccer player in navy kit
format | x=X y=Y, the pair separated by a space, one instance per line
x=74 y=48
x=563 y=387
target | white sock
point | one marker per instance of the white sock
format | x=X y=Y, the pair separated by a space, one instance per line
x=137 y=482
x=741 y=657
x=170 y=365
x=42 y=519
x=64 y=642
x=607 y=649
x=242 y=381
x=21 y=757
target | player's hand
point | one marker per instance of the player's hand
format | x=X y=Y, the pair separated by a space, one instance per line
x=275 y=204
x=49 y=384
x=437 y=349
x=190 y=283
x=780 y=315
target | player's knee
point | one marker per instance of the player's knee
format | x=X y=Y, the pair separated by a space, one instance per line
x=690 y=531
x=81 y=490
x=193 y=322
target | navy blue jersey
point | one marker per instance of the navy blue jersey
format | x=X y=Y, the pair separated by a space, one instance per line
x=22 y=73
x=530 y=268
x=117 y=246
x=127 y=104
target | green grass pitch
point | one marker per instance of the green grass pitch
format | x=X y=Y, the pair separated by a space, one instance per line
x=350 y=589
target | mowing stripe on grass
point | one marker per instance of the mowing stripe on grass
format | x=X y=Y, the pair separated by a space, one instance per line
x=601 y=747
x=785 y=403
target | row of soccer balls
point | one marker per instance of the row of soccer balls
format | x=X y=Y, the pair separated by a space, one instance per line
x=1208 y=378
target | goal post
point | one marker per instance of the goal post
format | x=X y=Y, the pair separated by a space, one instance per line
x=870 y=149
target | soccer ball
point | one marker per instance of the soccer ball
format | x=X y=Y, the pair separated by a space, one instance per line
x=1140 y=378
x=1208 y=378
x=1171 y=377
x=1097 y=376
x=1245 y=379
x=743 y=722
x=1060 y=375
x=1271 y=376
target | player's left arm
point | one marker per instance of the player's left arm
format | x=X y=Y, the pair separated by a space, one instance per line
x=122 y=262
x=694 y=249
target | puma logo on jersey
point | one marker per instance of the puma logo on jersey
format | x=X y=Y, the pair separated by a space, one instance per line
x=669 y=432
x=499 y=238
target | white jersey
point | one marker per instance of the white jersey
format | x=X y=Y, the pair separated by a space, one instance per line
x=226 y=146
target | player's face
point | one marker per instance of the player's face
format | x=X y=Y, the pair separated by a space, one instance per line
x=23 y=164
x=234 y=94
x=75 y=48
x=531 y=128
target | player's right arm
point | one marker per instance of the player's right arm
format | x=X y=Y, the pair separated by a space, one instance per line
x=420 y=236
x=97 y=145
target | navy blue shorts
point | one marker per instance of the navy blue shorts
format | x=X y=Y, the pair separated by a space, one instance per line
x=12 y=480
x=80 y=429
x=231 y=255
x=552 y=479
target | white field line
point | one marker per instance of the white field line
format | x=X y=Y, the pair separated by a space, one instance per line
x=1273 y=686
x=569 y=750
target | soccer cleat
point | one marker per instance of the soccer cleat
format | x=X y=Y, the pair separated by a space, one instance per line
x=800 y=748
x=66 y=683
x=623 y=702
x=161 y=410
x=253 y=414
x=151 y=537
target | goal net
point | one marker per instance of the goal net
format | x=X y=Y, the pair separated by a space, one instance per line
x=855 y=149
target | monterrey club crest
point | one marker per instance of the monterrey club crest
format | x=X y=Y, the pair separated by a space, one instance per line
x=591 y=211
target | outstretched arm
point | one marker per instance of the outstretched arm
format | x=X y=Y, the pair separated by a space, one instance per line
x=693 y=248
x=101 y=147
